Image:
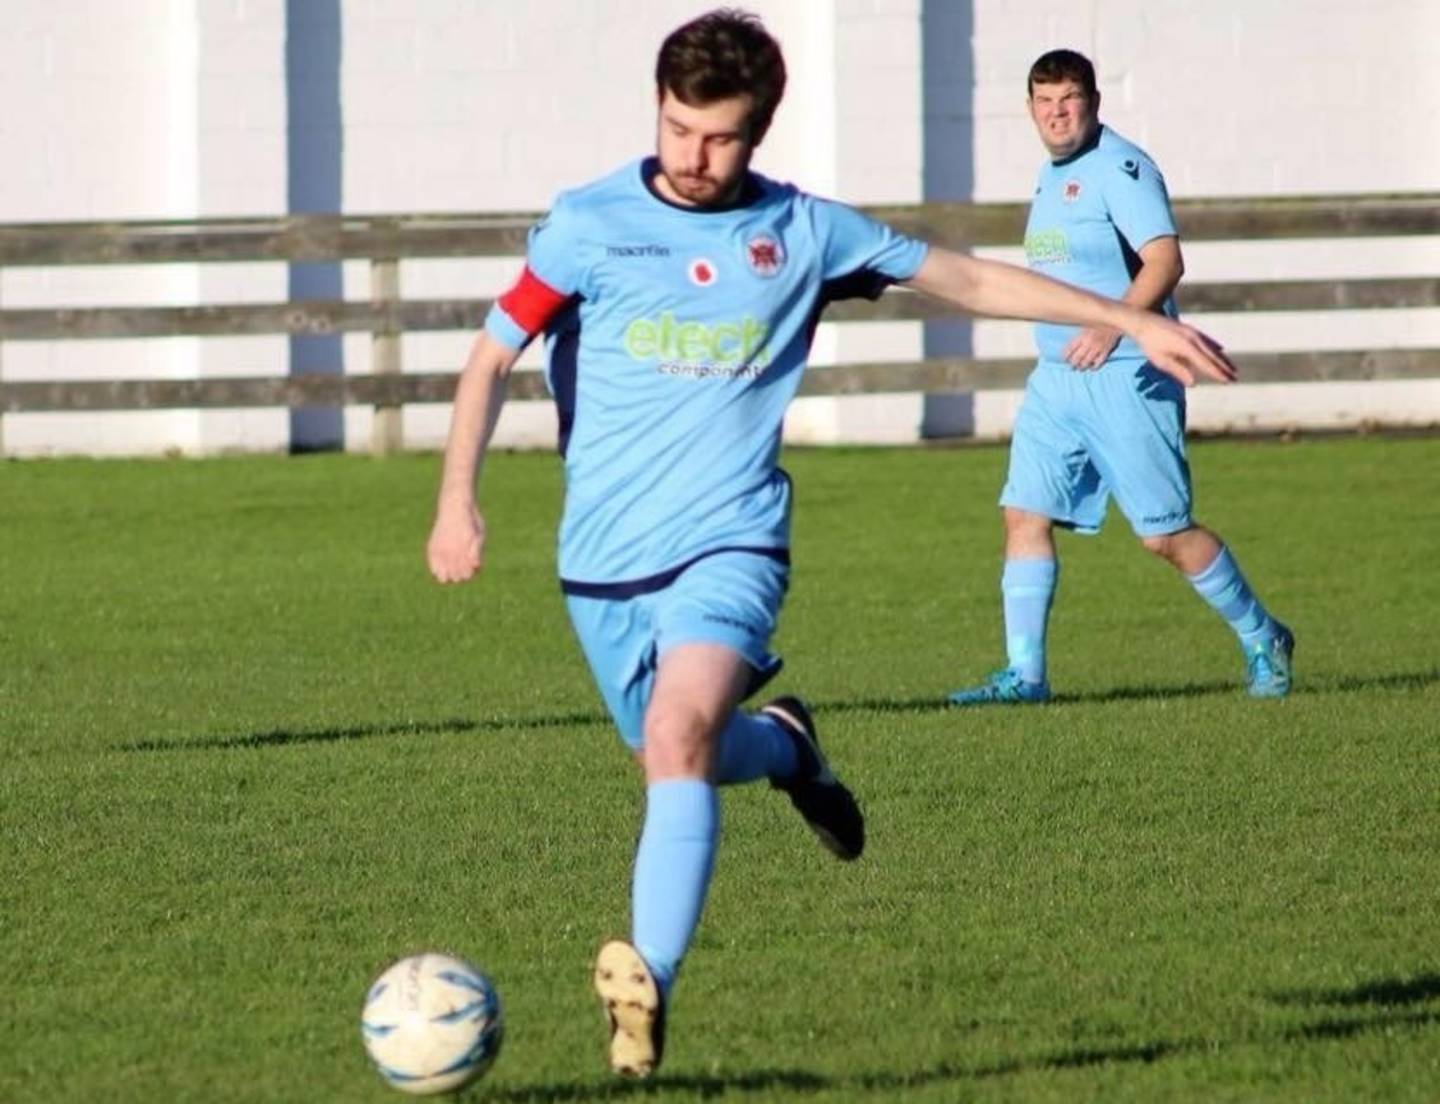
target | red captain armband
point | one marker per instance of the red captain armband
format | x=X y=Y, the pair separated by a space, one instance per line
x=532 y=302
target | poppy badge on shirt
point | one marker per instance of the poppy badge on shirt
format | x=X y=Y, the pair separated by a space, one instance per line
x=702 y=272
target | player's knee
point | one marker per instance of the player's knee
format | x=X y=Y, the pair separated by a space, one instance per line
x=677 y=741
x=1024 y=523
x=1165 y=546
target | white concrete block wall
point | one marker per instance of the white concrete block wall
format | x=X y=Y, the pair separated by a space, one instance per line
x=1261 y=98
x=1264 y=97
x=146 y=109
x=864 y=66
x=177 y=109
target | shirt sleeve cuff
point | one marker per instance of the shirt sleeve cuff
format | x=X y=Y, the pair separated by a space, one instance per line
x=502 y=328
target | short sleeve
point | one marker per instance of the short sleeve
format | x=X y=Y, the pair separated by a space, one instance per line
x=553 y=248
x=552 y=277
x=1138 y=201
x=852 y=243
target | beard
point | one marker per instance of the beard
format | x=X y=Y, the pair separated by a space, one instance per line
x=702 y=190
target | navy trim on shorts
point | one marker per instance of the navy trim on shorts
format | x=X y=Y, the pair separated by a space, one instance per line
x=633 y=588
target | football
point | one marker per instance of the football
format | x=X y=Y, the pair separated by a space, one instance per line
x=432 y=1023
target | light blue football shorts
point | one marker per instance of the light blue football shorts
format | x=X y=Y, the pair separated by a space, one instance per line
x=731 y=598
x=1081 y=437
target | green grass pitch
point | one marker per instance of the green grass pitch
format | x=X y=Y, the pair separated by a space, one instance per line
x=249 y=754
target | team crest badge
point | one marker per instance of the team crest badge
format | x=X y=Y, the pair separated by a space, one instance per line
x=702 y=272
x=765 y=255
x=1071 y=192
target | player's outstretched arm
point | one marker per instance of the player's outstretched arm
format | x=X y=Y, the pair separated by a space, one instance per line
x=456 y=549
x=1161 y=267
x=1002 y=290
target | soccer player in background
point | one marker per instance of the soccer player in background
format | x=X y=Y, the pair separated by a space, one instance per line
x=1098 y=419
x=678 y=296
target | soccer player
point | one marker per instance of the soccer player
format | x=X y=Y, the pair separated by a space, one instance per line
x=1098 y=419
x=678 y=296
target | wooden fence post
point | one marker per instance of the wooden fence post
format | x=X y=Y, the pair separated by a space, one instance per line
x=2 y=381
x=387 y=433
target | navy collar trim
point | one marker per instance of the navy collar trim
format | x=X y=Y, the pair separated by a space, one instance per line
x=1083 y=150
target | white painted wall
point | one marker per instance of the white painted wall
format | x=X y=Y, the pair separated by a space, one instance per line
x=177 y=109
x=142 y=109
x=1267 y=97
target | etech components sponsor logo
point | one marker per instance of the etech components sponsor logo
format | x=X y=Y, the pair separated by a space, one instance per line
x=700 y=350
x=1047 y=247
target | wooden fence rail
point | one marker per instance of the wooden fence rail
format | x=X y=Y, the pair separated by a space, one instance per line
x=385 y=312
x=350 y=237
x=386 y=240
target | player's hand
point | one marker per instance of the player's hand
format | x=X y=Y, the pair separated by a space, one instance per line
x=456 y=549
x=1183 y=351
x=1091 y=347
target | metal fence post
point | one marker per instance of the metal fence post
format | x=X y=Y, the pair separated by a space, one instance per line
x=387 y=432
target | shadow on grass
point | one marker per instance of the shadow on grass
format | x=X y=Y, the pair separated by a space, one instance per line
x=1385 y=993
x=285 y=737
x=893 y=1084
x=802 y=1082
x=798 y=1082
x=938 y=704
x=1347 y=1028
x=1388 y=1001
x=1348 y=684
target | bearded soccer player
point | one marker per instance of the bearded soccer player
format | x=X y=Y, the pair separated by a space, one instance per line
x=678 y=296
x=1099 y=420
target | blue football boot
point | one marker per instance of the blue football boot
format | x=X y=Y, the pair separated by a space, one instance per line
x=1268 y=664
x=1003 y=688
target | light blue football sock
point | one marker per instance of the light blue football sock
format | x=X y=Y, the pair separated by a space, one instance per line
x=1227 y=592
x=672 y=871
x=1028 y=588
x=753 y=746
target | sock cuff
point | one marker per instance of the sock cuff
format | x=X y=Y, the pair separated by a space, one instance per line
x=1217 y=573
x=1029 y=573
x=682 y=805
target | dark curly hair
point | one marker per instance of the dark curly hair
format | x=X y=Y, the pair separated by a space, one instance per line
x=724 y=53
x=1062 y=65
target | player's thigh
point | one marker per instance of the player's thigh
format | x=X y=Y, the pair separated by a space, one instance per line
x=1050 y=471
x=618 y=639
x=1138 y=444
x=732 y=599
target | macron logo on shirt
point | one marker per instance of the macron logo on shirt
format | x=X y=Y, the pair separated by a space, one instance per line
x=637 y=251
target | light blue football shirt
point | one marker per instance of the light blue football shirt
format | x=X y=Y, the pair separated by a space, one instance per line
x=683 y=344
x=1092 y=213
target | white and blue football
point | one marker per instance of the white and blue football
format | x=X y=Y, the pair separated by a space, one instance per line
x=432 y=1024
